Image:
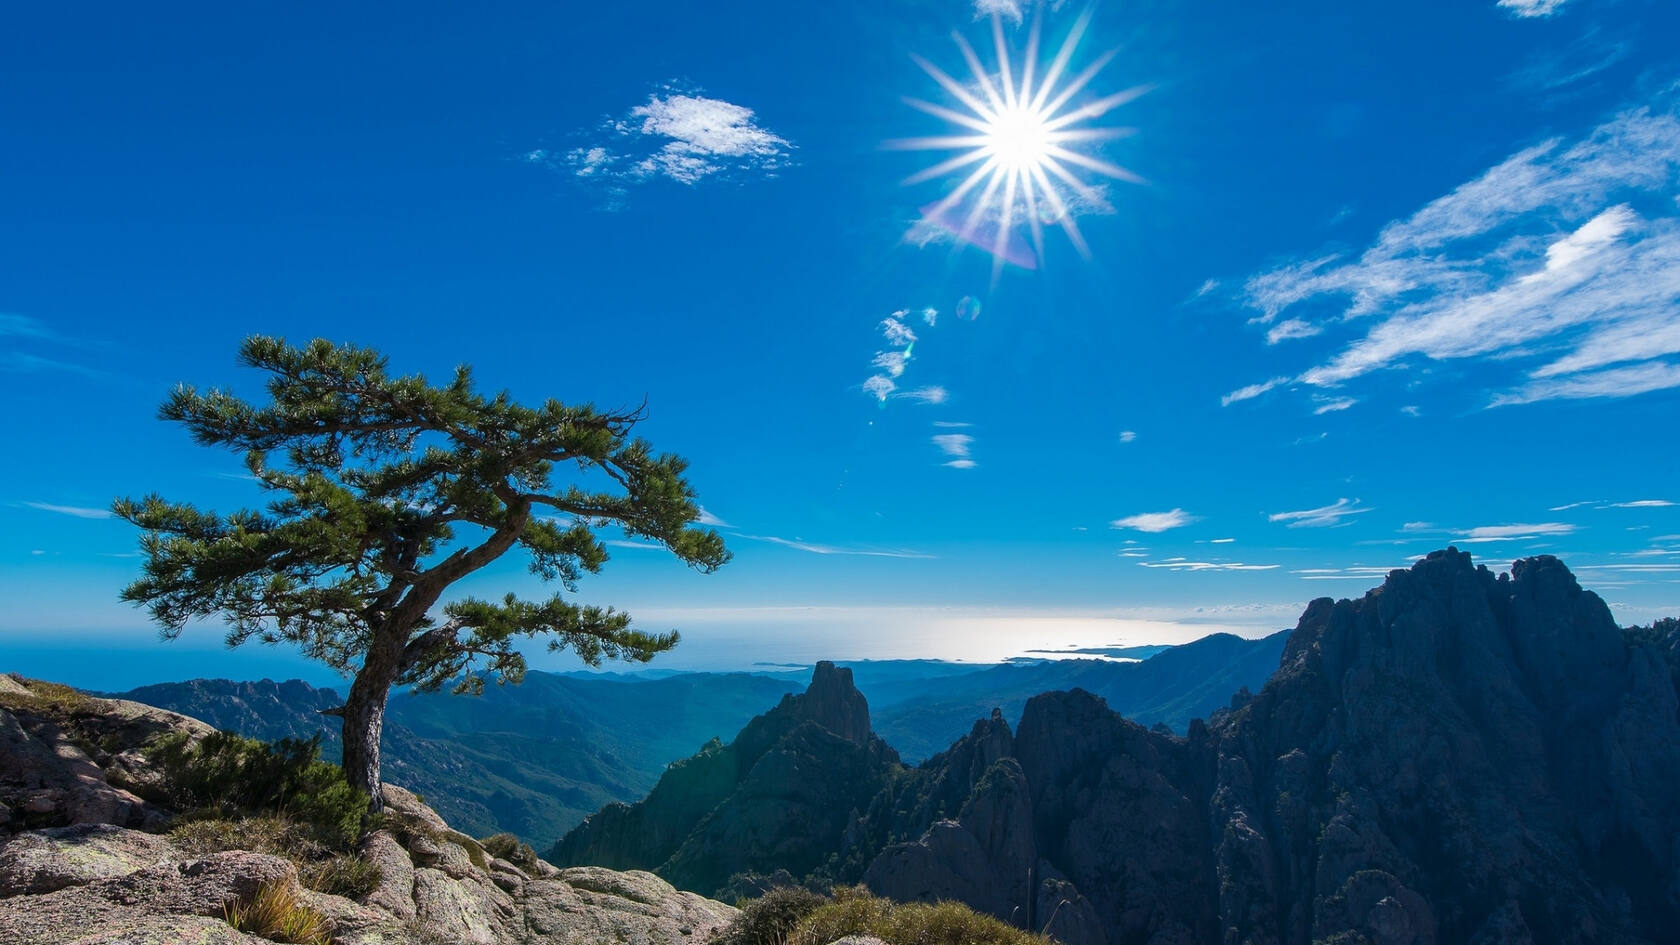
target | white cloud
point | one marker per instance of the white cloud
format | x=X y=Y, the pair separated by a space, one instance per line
x=957 y=447
x=1321 y=517
x=1290 y=329
x=626 y=543
x=1007 y=9
x=1487 y=533
x=77 y=511
x=1418 y=527
x=1573 y=505
x=1222 y=541
x=1563 y=259
x=1411 y=410
x=897 y=333
x=799 y=544
x=1532 y=8
x=707 y=518
x=1617 y=382
x=891 y=362
x=930 y=316
x=952 y=424
x=1181 y=564
x=1332 y=404
x=879 y=387
x=1154 y=521
x=1251 y=391
x=932 y=394
x=1127 y=436
x=680 y=137
x=1642 y=504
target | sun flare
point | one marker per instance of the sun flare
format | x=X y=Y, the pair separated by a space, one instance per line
x=1017 y=142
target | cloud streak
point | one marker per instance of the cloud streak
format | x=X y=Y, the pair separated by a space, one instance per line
x=1563 y=259
x=1154 y=522
x=76 y=511
x=1325 y=516
x=820 y=549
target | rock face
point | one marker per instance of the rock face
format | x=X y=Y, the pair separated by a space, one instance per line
x=1458 y=756
x=781 y=796
x=76 y=879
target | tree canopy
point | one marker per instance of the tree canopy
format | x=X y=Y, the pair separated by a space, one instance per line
x=386 y=490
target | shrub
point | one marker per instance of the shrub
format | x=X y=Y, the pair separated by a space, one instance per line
x=276 y=914
x=855 y=912
x=234 y=775
x=771 y=918
x=506 y=846
x=343 y=874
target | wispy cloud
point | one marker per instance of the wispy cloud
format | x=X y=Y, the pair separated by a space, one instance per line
x=1127 y=436
x=799 y=544
x=1642 y=504
x=1154 y=521
x=932 y=394
x=679 y=135
x=1351 y=573
x=1332 y=404
x=1183 y=564
x=952 y=424
x=1251 y=391
x=708 y=519
x=1322 y=517
x=1490 y=533
x=22 y=326
x=78 y=511
x=1291 y=328
x=1531 y=8
x=1543 y=261
x=890 y=365
x=957 y=447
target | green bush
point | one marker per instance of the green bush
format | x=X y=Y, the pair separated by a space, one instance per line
x=233 y=775
x=771 y=918
x=855 y=912
x=506 y=846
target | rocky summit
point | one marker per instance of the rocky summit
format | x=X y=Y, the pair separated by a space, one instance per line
x=83 y=861
x=781 y=796
x=1458 y=756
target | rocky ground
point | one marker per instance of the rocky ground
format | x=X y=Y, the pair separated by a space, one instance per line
x=83 y=859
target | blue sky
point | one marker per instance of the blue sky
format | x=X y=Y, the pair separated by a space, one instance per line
x=1389 y=277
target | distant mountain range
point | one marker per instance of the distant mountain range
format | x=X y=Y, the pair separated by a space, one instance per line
x=1458 y=756
x=537 y=758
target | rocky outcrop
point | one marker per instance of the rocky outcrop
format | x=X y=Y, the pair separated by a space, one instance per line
x=83 y=881
x=1459 y=756
x=71 y=759
x=780 y=796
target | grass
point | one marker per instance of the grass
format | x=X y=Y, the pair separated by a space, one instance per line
x=276 y=914
x=855 y=912
x=320 y=868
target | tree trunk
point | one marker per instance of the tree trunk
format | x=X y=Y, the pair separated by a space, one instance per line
x=364 y=723
x=364 y=717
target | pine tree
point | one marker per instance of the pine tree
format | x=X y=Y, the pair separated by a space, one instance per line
x=386 y=491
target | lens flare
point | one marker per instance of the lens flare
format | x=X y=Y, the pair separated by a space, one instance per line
x=1022 y=129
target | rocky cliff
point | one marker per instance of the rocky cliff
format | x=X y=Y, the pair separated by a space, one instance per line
x=779 y=797
x=83 y=858
x=1459 y=756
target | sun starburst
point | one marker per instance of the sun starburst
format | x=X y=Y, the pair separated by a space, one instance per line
x=1023 y=130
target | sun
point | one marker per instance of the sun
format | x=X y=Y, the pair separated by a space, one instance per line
x=1017 y=139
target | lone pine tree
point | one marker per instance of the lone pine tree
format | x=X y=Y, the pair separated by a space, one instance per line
x=386 y=491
